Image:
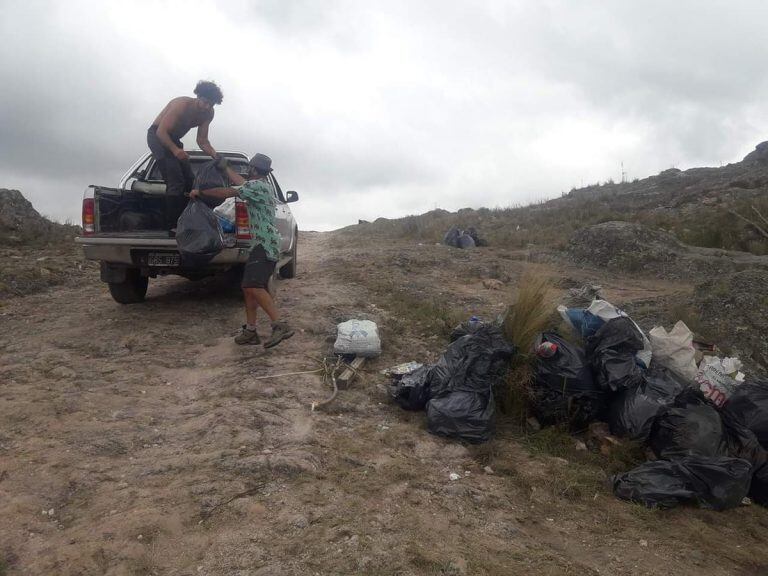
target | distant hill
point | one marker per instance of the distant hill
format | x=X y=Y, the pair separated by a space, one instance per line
x=699 y=206
x=21 y=224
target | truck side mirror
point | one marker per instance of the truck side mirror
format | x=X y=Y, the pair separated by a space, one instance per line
x=291 y=196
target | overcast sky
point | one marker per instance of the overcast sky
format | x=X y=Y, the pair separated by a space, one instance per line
x=389 y=108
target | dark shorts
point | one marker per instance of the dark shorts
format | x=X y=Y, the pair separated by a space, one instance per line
x=258 y=269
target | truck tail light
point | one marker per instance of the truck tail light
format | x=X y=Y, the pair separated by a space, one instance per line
x=242 y=224
x=89 y=217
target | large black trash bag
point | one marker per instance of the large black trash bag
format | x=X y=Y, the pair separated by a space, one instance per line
x=612 y=350
x=690 y=426
x=451 y=237
x=716 y=483
x=469 y=327
x=412 y=390
x=461 y=385
x=209 y=176
x=749 y=402
x=563 y=389
x=473 y=363
x=198 y=234
x=632 y=410
x=470 y=416
x=742 y=443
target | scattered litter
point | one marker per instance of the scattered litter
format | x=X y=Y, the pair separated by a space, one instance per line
x=715 y=483
x=453 y=476
x=718 y=378
x=401 y=369
x=488 y=470
x=674 y=349
x=359 y=338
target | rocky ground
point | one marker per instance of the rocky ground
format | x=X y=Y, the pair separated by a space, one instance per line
x=140 y=440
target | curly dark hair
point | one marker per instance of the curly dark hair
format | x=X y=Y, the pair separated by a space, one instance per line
x=209 y=91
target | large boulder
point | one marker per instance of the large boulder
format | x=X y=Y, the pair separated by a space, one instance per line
x=625 y=247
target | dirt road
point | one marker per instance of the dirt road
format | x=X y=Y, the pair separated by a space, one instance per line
x=141 y=440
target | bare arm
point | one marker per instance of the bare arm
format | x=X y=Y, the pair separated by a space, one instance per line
x=202 y=137
x=170 y=119
x=222 y=193
x=234 y=177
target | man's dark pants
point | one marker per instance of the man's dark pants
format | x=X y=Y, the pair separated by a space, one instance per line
x=177 y=174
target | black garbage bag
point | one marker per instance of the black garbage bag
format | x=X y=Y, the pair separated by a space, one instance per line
x=209 y=176
x=470 y=416
x=611 y=351
x=466 y=241
x=412 y=390
x=749 y=403
x=563 y=389
x=198 y=234
x=471 y=231
x=461 y=385
x=742 y=443
x=758 y=489
x=468 y=327
x=632 y=410
x=451 y=237
x=690 y=426
x=715 y=483
x=473 y=363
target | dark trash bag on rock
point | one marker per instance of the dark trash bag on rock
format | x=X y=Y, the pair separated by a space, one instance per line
x=690 y=426
x=749 y=403
x=612 y=351
x=632 y=410
x=198 y=235
x=412 y=391
x=716 y=483
x=461 y=384
x=742 y=443
x=563 y=389
x=466 y=415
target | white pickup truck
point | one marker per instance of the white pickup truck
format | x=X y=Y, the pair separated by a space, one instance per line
x=126 y=229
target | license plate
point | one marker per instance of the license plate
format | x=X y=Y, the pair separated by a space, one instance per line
x=163 y=259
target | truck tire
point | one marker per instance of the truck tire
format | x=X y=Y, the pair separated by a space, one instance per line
x=289 y=270
x=132 y=290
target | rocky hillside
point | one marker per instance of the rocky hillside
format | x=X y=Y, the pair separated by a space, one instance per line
x=35 y=252
x=21 y=224
x=707 y=207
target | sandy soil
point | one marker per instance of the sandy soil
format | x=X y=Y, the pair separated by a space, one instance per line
x=140 y=440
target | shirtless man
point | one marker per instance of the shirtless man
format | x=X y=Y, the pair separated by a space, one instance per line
x=164 y=140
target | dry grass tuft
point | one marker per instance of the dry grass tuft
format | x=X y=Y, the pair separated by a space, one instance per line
x=531 y=313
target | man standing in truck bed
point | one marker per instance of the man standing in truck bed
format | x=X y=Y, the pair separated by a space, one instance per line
x=164 y=140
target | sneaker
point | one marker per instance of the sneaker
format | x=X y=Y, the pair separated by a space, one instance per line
x=280 y=331
x=247 y=336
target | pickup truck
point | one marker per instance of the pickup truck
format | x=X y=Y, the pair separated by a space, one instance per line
x=126 y=230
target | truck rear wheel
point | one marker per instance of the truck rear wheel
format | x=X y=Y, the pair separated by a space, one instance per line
x=289 y=270
x=133 y=289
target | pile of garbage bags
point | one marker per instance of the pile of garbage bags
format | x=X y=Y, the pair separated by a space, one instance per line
x=706 y=424
x=457 y=391
x=458 y=238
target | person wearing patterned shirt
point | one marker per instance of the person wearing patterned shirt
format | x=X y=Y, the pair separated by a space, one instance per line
x=259 y=197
